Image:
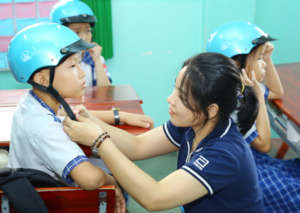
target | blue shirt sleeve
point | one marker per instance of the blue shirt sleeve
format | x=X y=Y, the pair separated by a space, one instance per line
x=214 y=167
x=71 y=165
x=174 y=134
x=251 y=134
x=265 y=90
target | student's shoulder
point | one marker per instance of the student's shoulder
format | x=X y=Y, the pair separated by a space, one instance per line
x=232 y=144
x=37 y=121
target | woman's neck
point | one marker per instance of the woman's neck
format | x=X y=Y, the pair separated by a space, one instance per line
x=48 y=99
x=202 y=131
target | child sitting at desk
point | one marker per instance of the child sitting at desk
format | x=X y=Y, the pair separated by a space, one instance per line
x=250 y=47
x=50 y=63
x=79 y=17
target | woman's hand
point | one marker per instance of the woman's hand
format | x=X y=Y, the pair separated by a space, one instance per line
x=134 y=119
x=83 y=131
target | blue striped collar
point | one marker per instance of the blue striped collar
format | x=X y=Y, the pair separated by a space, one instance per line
x=43 y=104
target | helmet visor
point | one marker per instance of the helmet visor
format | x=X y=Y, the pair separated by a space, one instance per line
x=84 y=18
x=262 y=39
x=76 y=47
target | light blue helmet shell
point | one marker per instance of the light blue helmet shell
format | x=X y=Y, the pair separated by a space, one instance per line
x=72 y=11
x=234 y=38
x=41 y=45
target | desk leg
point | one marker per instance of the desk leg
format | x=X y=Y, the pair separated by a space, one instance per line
x=282 y=150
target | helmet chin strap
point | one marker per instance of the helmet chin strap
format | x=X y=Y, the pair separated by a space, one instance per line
x=52 y=91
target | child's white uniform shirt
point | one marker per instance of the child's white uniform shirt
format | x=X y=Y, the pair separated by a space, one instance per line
x=38 y=141
x=89 y=75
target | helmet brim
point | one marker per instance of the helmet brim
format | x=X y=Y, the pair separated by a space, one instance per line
x=84 y=18
x=262 y=39
x=76 y=47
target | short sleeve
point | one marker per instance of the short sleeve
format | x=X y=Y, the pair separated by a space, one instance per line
x=105 y=68
x=174 y=134
x=57 y=151
x=214 y=168
x=251 y=134
x=265 y=90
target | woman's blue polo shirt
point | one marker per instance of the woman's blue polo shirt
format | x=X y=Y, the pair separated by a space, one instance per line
x=224 y=164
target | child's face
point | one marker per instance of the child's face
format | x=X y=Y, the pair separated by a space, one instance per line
x=83 y=30
x=180 y=115
x=69 y=78
x=255 y=61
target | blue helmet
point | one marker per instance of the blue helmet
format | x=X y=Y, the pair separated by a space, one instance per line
x=72 y=11
x=41 y=45
x=237 y=37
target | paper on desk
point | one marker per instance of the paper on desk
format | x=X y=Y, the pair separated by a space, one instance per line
x=293 y=135
x=6 y=115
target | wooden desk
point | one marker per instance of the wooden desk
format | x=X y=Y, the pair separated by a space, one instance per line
x=102 y=98
x=284 y=113
x=105 y=95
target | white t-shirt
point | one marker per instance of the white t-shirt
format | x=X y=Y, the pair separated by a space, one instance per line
x=89 y=74
x=38 y=141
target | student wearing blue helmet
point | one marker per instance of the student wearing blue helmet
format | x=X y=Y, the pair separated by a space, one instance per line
x=250 y=47
x=50 y=63
x=79 y=17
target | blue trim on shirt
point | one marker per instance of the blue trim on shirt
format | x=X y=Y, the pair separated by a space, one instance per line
x=251 y=137
x=71 y=165
x=267 y=91
x=87 y=58
x=43 y=104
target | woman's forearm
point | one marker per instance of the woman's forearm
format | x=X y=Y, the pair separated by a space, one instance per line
x=137 y=183
x=126 y=142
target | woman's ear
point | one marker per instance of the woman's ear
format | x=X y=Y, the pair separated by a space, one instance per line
x=42 y=77
x=213 y=110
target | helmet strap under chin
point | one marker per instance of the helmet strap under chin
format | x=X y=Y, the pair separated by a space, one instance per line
x=54 y=93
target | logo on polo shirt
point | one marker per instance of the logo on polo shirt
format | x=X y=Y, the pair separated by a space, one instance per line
x=201 y=162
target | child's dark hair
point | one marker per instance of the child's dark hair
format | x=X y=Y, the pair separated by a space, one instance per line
x=241 y=59
x=214 y=78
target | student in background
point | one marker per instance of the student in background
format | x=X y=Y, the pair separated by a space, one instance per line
x=50 y=63
x=79 y=17
x=250 y=47
x=215 y=169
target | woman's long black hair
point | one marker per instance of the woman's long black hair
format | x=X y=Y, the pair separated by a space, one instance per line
x=249 y=97
x=214 y=78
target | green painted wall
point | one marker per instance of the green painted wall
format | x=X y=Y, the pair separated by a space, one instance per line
x=7 y=81
x=281 y=19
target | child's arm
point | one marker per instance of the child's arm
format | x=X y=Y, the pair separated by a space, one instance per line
x=272 y=79
x=90 y=177
x=262 y=142
x=132 y=119
x=102 y=79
